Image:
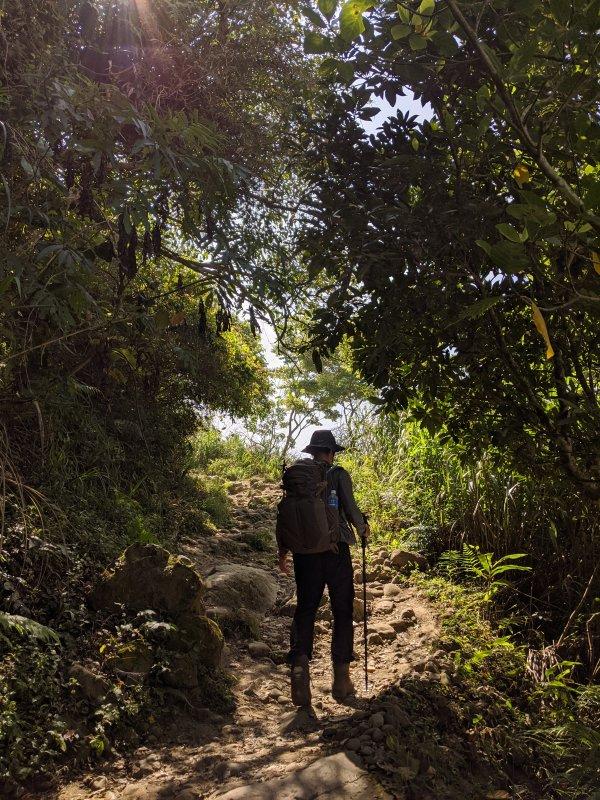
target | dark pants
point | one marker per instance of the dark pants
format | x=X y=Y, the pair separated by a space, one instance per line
x=313 y=572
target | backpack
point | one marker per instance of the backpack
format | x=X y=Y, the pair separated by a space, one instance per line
x=305 y=523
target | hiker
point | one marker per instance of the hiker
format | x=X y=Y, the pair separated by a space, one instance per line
x=314 y=522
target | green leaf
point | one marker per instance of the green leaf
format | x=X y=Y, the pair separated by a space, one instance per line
x=351 y=18
x=511 y=233
x=327 y=8
x=483 y=95
x=510 y=256
x=477 y=309
x=485 y=246
x=427 y=7
x=561 y=10
x=315 y=43
x=417 y=42
x=345 y=70
x=313 y=16
x=400 y=31
x=403 y=13
x=28 y=627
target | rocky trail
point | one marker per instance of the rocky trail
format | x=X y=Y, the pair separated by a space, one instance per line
x=384 y=745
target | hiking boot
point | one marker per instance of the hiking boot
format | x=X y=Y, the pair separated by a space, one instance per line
x=301 y=682
x=342 y=688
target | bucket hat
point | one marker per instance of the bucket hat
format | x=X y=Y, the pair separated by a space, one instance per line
x=323 y=440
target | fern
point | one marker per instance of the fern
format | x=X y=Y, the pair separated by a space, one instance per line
x=469 y=563
x=13 y=623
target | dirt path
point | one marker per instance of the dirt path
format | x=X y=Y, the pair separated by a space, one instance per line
x=263 y=748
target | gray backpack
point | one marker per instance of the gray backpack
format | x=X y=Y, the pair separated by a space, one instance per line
x=305 y=523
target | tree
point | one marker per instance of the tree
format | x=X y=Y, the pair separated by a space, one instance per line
x=304 y=395
x=454 y=239
x=136 y=139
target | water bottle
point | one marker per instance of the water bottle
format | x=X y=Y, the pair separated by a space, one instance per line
x=332 y=500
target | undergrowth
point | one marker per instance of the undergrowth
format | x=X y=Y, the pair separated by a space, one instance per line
x=548 y=730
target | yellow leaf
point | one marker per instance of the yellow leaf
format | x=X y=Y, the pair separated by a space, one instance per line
x=596 y=261
x=521 y=174
x=540 y=324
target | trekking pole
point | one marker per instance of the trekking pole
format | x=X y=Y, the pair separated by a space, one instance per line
x=364 y=583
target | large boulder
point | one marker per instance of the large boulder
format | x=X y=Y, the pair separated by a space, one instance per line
x=405 y=561
x=91 y=685
x=133 y=657
x=190 y=634
x=147 y=576
x=236 y=586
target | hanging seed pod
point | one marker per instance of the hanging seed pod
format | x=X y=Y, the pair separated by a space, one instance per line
x=210 y=225
x=146 y=246
x=156 y=240
x=102 y=170
x=7 y=153
x=254 y=326
x=85 y=201
x=123 y=238
x=202 y=321
x=69 y=171
x=130 y=258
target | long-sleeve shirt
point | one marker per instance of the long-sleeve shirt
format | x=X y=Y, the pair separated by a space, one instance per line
x=350 y=516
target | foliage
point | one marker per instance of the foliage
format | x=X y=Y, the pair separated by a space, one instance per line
x=230 y=457
x=471 y=563
x=29 y=627
x=463 y=247
x=306 y=391
x=425 y=491
x=513 y=720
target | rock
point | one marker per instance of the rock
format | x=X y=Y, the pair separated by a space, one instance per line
x=384 y=630
x=374 y=639
x=391 y=590
x=329 y=778
x=181 y=672
x=202 y=636
x=498 y=794
x=147 y=576
x=444 y=679
x=404 y=560
x=353 y=744
x=408 y=613
x=358 y=610
x=91 y=685
x=377 y=735
x=366 y=750
x=99 y=783
x=230 y=620
x=376 y=720
x=371 y=575
x=237 y=586
x=288 y=609
x=135 y=657
x=374 y=592
x=400 y=625
x=420 y=666
x=383 y=607
x=259 y=649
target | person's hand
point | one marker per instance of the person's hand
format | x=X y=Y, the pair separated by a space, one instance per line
x=283 y=562
x=367 y=533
